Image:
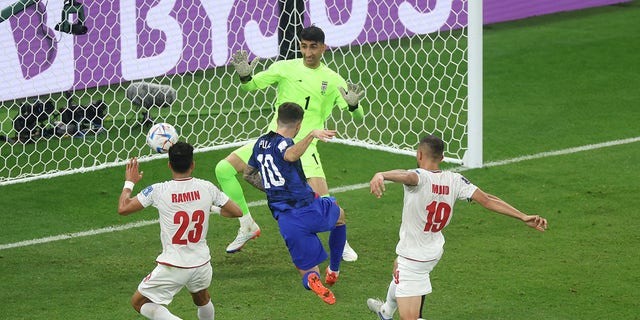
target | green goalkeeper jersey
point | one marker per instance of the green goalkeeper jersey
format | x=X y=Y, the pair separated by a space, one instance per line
x=315 y=90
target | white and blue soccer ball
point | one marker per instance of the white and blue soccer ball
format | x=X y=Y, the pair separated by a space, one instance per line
x=161 y=137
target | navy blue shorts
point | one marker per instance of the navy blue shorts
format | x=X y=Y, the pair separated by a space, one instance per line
x=299 y=228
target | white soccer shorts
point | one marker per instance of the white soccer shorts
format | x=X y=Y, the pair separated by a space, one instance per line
x=412 y=277
x=164 y=282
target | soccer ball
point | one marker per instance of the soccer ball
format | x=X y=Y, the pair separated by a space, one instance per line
x=161 y=137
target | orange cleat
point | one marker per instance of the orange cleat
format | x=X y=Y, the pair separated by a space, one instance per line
x=331 y=277
x=321 y=291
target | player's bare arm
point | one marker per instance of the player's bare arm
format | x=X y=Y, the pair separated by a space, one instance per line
x=230 y=210
x=399 y=176
x=127 y=204
x=498 y=205
x=252 y=175
x=295 y=152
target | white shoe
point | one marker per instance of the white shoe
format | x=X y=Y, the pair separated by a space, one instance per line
x=375 y=305
x=242 y=238
x=349 y=254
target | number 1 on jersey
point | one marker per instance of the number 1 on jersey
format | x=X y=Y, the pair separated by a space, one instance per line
x=306 y=104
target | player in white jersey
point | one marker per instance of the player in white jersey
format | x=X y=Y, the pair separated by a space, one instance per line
x=429 y=196
x=183 y=205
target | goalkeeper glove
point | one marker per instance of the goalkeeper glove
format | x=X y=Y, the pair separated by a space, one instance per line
x=352 y=96
x=240 y=60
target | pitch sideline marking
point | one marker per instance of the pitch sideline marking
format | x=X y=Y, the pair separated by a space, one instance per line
x=79 y=234
x=138 y=224
x=564 y=151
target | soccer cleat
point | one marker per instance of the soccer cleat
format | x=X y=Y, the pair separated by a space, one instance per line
x=375 y=305
x=331 y=277
x=314 y=283
x=349 y=254
x=242 y=238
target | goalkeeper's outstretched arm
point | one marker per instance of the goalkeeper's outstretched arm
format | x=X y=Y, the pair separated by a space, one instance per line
x=244 y=69
x=352 y=96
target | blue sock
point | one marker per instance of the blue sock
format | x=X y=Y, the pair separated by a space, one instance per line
x=337 y=238
x=305 y=282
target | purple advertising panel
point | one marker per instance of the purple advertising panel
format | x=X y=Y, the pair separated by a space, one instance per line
x=138 y=39
x=498 y=11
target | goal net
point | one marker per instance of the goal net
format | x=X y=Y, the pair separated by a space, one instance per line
x=73 y=102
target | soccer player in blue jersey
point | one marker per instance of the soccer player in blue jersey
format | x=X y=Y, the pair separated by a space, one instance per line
x=309 y=83
x=275 y=167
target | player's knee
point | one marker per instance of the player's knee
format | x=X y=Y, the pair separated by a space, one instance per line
x=135 y=305
x=201 y=297
x=341 y=219
x=137 y=300
x=224 y=170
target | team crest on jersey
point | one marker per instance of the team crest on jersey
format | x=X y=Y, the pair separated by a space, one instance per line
x=282 y=146
x=465 y=180
x=147 y=191
x=323 y=87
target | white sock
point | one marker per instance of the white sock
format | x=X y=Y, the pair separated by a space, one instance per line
x=390 y=305
x=206 y=312
x=155 y=311
x=246 y=221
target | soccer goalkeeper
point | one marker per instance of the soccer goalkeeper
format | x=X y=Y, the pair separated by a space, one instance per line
x=318 y=89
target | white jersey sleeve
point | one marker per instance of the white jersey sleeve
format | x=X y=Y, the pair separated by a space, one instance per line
x=428 y=208
x=183 y=208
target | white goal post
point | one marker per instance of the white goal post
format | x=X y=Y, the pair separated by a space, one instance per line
x=65 y=106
